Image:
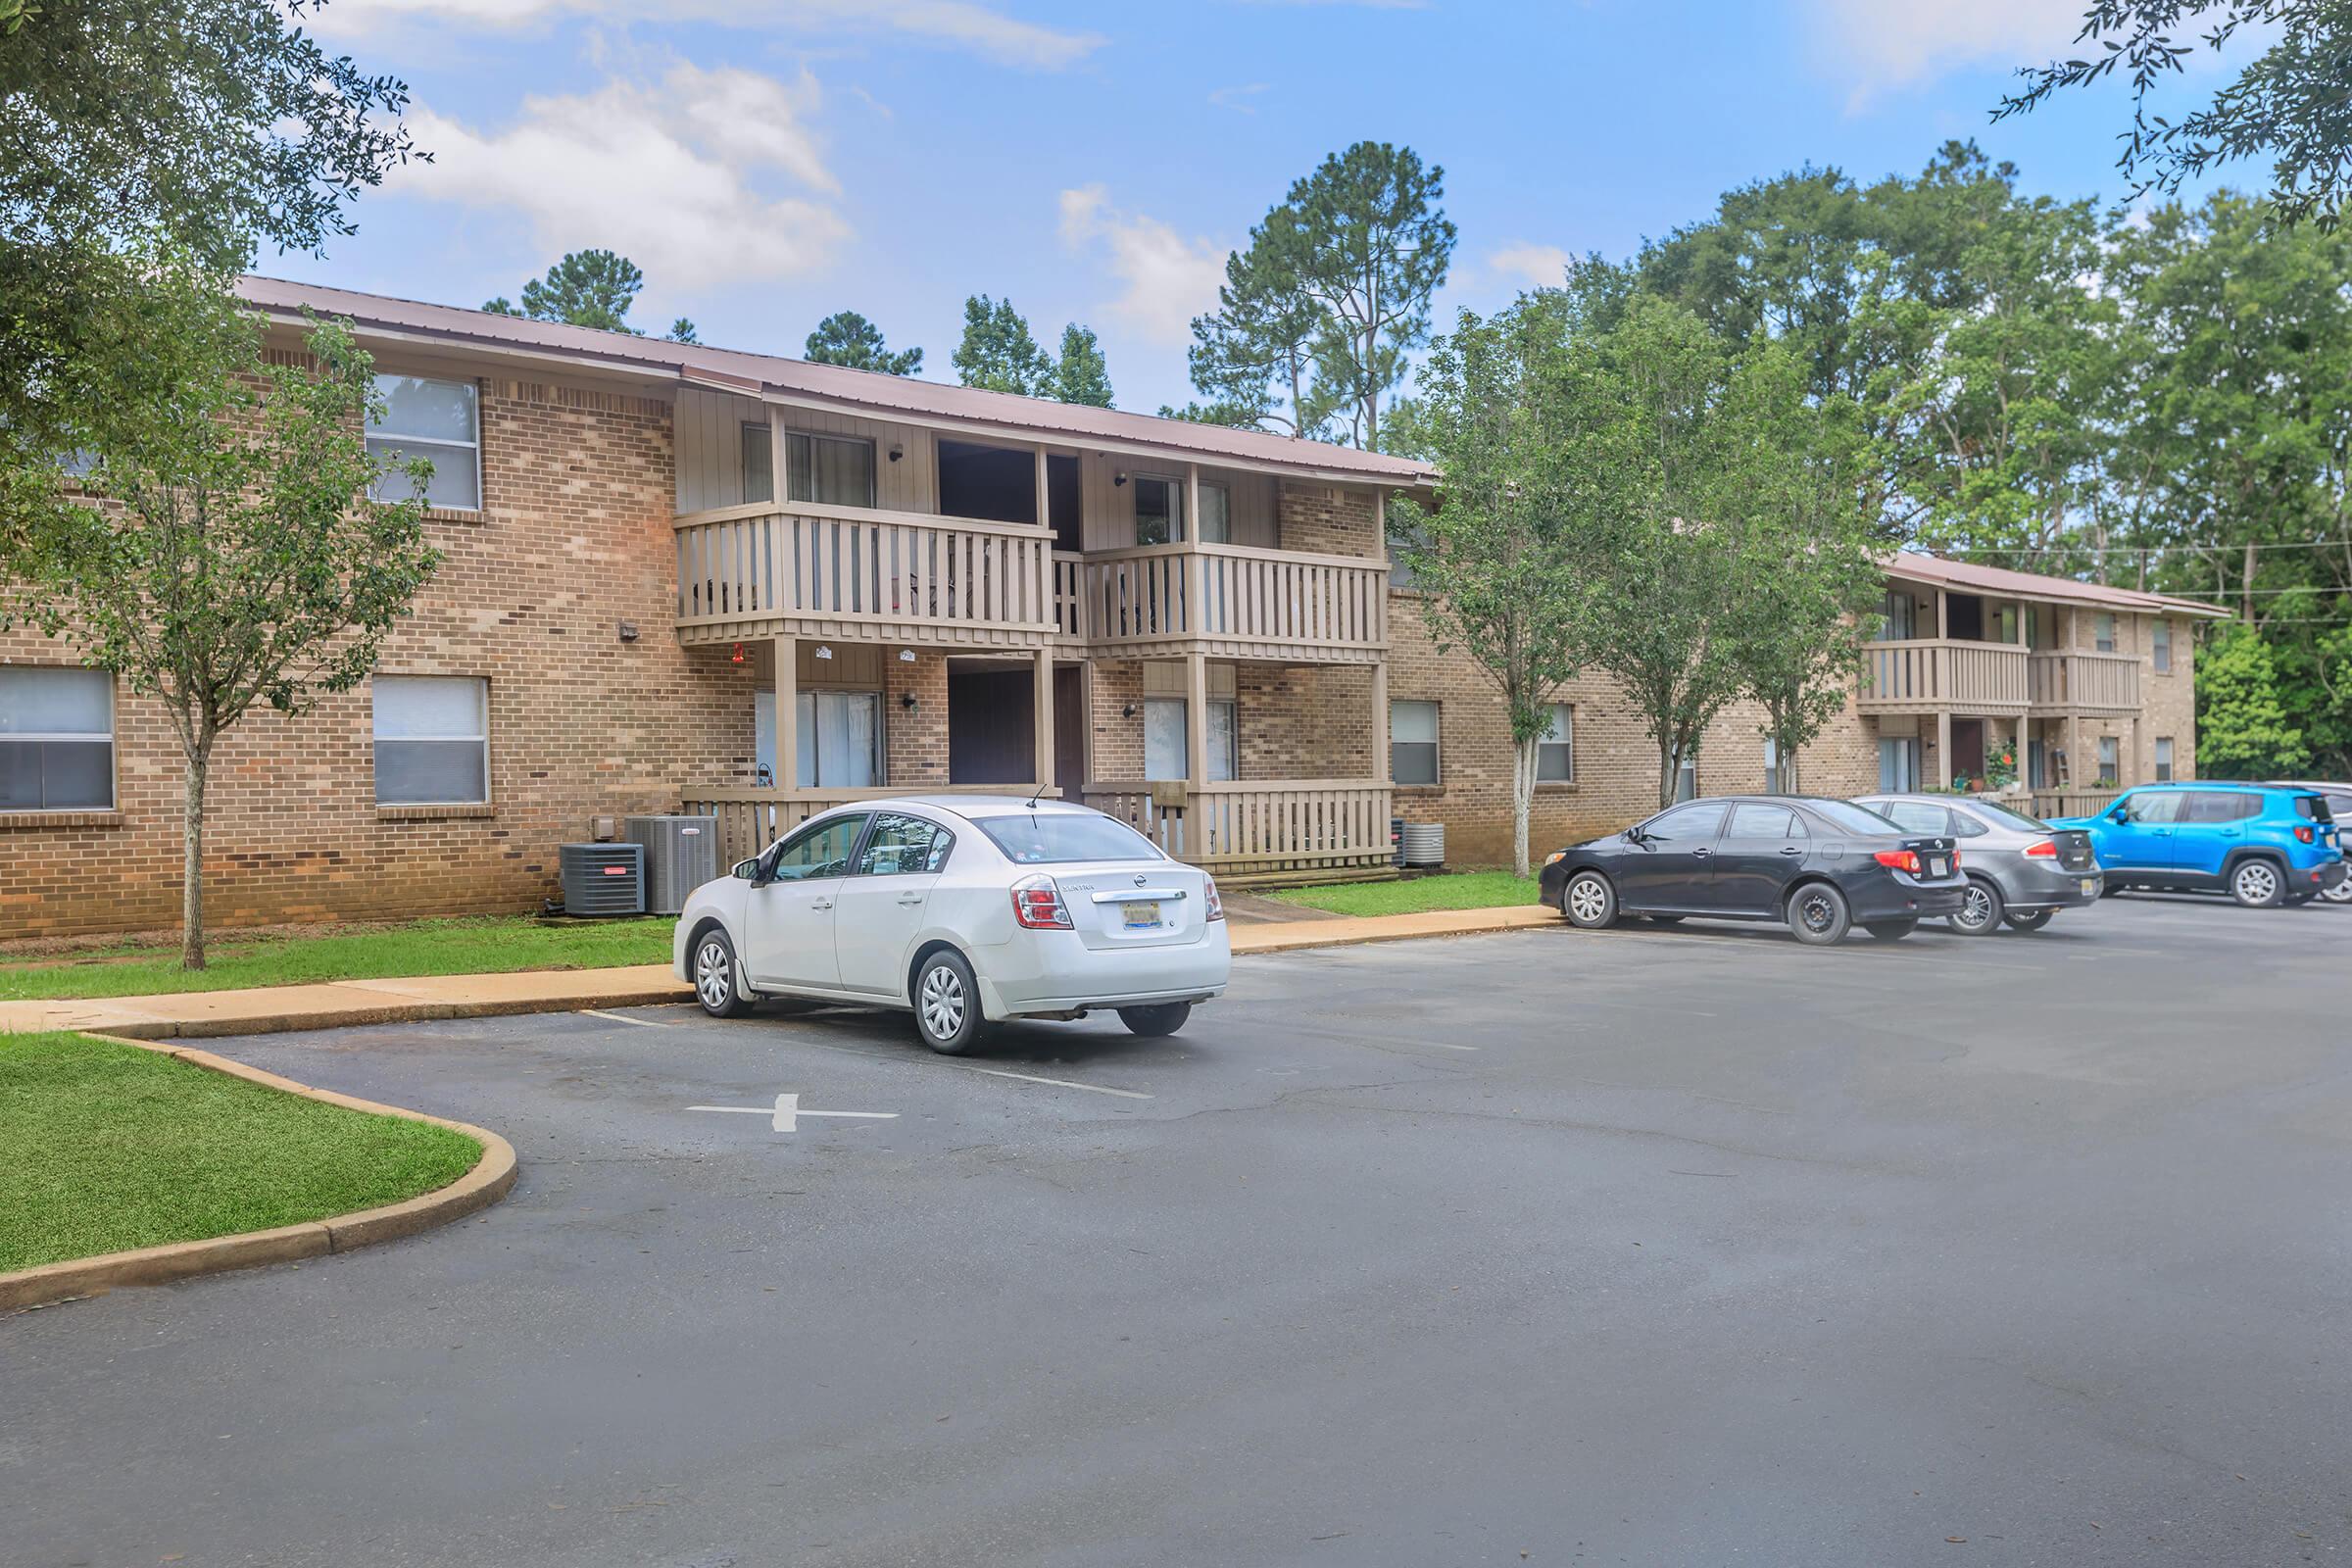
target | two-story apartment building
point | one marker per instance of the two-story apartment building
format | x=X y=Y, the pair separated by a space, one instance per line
x=686 y=577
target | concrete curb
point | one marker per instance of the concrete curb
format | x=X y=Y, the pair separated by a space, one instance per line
x=1349 y=931
x=485 y=1184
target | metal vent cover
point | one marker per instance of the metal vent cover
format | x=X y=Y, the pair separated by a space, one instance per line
x=602 y=880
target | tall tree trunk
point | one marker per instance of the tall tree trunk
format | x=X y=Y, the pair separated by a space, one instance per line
x=191 y=871
x=2246 y=585
x=1668 y=765
x=1523 y=799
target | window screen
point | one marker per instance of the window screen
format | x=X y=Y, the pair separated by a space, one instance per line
x=432 y=740
x=439 y=421
x=1414 y=742
x=57 y=740
x=1555 y=752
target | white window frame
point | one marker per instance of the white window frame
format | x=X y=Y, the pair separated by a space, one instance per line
x=1685 y=780
x=2105 y=632
x=1224 y=494
x=1902 y=752
x=2164 y=760
x=380 y=741
x=1772 y=766
x=1893 y=627
x=2160 y=645
x=1435 y=744
x=1178 y=522
x=873 y=468
x=2111 y=765
x=809 y=735
x=71 y=738
x=1560 y=737
x=391 y=437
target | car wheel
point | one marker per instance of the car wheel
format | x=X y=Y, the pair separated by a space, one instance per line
x=1160 y=1018
x=947 y=1003
x=2342 y=893
x=1589 y=902
x=1980 y=910
x=2033 y=922
x=1890 y=930
x=718 y=977
x=2257 y=884
x=1817 y=913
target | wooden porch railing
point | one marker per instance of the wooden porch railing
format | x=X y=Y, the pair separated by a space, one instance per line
x=896 y=575
x=750 y=820
x=1252 y=825
x=1927 y=673
x=2073 y=803
x=1250 y=600
x=2077 y=681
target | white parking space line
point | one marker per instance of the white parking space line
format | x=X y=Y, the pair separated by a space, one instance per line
x=784 y=1116
x=617 y=1017
x=993 y=1073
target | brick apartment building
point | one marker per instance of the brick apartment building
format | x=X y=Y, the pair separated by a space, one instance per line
x=1189 y=626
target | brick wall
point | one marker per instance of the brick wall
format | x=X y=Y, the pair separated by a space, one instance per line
x=1328 y=520
x=1304 y=721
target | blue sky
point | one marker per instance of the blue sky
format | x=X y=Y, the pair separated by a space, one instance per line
x=767 y=161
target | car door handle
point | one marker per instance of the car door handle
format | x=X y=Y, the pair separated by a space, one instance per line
x=910 y=898
x=822 y=903
x=2232 y=832
x=1790 y=849
x=1702 y=854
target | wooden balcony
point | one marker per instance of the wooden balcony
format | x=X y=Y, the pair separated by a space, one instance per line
x=862 y=575
x=1932 y=675
x=1226 y=600
x=1262 y=828
x=2084 y=683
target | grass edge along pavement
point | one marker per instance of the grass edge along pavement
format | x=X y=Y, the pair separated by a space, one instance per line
x=448 y=1169
x=1417 y=895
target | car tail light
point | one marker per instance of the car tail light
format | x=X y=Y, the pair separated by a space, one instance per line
x=2043 y=849
x=1216 y=905
x=1900 y=860
x=1036 y=905
x=1955 y=859
x=2303 y=834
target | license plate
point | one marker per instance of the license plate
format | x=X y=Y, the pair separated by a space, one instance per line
x=2089 y=887
x=1142 y=916
x=1937 y=866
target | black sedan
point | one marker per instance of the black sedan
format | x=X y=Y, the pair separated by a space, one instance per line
x=1821 y=865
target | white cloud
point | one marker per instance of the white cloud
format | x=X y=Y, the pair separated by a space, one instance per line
x=1168 y=279
x=953 y=23
x=1538 y=266
x=1238 y=98
x=1886 y=46
x=665 y=172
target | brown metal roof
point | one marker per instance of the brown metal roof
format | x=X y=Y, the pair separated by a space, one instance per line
x=1974 y=578
x=884 y=396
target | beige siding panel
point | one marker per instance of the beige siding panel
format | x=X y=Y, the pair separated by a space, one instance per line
x=709 y=436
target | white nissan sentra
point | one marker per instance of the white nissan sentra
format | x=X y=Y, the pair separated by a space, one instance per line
x=967 y=910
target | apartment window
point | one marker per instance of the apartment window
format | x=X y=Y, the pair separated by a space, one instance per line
x=2108 y=759
x=1898 y=764
x=1772 y=765
x=1685 y=780
x=57 y=740
x=1901 y=619
x=437 y=420
x=2164 y=758
x=1555 y=750
x=2004 y=624
x=837 y=739
x=828 y=471
x=2104 y=632
x=1413 y=743
x=2160 y=645
x=1216 y=515
x=432 y=740
x=1167 y=751
x=1158 y=510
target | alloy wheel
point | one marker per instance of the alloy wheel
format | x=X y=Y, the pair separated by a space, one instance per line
x=1976 y=907
x=2342 y=893
x=2256 y=882
x=713 y=975
x=943 y=1003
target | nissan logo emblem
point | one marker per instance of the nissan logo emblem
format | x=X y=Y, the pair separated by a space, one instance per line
x=1139 y=881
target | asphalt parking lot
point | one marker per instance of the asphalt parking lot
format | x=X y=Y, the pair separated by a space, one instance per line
x=1645 y=1246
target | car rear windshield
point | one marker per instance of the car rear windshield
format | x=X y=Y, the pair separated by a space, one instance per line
x=1854 y=818
x=2314 y=807
x=1045 y=838
x=2008 y=819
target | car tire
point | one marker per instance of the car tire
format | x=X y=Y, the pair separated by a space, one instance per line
x=718 y=976
x=2031 y=922
x=1157 y=1020
x=1818 y=913
x=1890 y=930
x=2257 y=883
x=1981 y=909
x=947 y=1003
x=2342 y=893
x=1589 y=902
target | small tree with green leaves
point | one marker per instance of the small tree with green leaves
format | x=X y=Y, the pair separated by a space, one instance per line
x=1081 y=374
x=999 y=352
x=847 y=338
x=1506 y=414
x=2242 y=728
x=230 y=553
x=588 y=288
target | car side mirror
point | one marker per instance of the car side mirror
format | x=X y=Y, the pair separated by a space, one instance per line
x=1634 y=835
x=747 y=870
x=2119 y=814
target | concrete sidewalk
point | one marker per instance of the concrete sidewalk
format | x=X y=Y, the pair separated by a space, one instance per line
x=199 y=1015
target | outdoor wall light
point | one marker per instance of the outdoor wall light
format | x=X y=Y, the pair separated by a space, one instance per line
x=907 y=701
x=1119 y=479
x=897 y=452
x=628 y=631
x=1127 y=711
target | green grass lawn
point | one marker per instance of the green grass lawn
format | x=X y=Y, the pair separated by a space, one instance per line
x=1454 y=890
x=483 y=945
x=105 y=1146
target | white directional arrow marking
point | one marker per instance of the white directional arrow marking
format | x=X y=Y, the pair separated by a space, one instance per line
x=788 y=1112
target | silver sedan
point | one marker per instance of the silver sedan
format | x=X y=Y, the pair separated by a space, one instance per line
x=2020 y=871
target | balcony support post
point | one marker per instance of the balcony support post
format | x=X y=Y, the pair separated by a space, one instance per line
x=1043 y=705
x=1943 y=748
x=1196 y=722
x=787 y=697
x=1380 y=726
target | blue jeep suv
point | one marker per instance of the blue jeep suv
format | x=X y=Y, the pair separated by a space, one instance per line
x=2261 y=845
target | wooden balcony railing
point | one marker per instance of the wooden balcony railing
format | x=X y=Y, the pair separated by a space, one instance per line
x=750 y=820
x=852 y=572
x=1226 y=599
x=2079 y=682
x=1255 y=826
x=1929 y=673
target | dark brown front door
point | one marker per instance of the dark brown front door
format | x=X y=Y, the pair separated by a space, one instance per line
x=1069 y=732
x=1968 y=748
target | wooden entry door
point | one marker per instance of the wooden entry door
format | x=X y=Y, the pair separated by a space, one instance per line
x=1069 y=732
x=1968 y=748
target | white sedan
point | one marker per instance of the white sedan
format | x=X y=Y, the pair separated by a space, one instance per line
x=966 y=908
